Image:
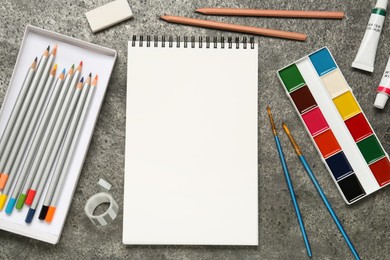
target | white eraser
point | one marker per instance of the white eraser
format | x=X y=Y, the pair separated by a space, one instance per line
x=108 y=15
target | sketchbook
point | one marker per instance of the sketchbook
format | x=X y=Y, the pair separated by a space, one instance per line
x=191 y=162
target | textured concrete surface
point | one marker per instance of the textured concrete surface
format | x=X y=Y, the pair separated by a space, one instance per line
x=367 y=222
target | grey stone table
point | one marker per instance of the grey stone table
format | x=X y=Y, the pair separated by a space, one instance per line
x=367 y=222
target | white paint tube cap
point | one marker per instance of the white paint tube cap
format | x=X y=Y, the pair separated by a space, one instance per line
x=380 y=100
x=381 y=4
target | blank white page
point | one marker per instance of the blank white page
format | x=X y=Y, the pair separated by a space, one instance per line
x=191 y=145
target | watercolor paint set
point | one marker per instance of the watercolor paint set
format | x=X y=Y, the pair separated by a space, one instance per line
x=337 y=125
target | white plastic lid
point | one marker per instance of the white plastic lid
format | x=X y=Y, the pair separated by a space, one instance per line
x=380 y=100
x=381 y=4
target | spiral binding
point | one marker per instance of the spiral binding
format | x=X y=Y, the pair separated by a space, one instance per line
x=190 y=43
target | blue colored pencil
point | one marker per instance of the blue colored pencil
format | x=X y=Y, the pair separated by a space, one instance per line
x=320 y=191
x=289 y=184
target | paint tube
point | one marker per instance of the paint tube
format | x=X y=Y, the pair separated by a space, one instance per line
x=383 y=89
x=365 y=57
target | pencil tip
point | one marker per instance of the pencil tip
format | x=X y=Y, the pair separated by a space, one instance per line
x=55 y=67
x=48 y=48
x=72 y=66
x=36 y=59
x=63 y=71
x=54 y=51
x=90 y=74
x=81 y=63
x=94 y=82
x=82 y=80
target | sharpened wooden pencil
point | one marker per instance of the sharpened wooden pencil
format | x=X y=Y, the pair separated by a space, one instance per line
x=34 y=195
x=30 y=120
x=18 y=104
x=37 y=156
x=26 y=132
x=55 y=138
x=64 y=153
x=35 y=84
x=53 y=203
x=36 y=141
x=234 y=27
x=272 y=13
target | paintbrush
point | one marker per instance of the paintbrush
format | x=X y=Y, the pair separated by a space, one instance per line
x=289 y=183
x=320 y=191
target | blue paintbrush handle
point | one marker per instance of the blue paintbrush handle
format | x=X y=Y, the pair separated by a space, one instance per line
x=293 y=198
x=327 y=204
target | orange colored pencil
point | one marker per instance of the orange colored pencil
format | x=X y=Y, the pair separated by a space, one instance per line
x=272 y=13
x=234 y=27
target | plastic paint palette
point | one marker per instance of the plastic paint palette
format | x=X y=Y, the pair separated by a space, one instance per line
x=349 y=147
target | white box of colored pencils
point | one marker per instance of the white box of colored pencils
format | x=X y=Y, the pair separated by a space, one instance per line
x=79 y=100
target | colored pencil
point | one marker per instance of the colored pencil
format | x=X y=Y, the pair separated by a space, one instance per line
x=36 y=141
x=20 y=117
x=289 y=183
x=272 y=13
x=18 y=104
x=54 y=142
x=34 y=195
x=61 y=181
x=33 y=164
x=33 y=111
x=320 y=191
x=234 y=27
x=65 y=149
x=22 y=141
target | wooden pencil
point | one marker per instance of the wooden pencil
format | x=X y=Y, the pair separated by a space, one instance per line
x=54 y=98
x=25 y=135
x=20 y=118
x=65 y=149
x=29 y=121
x=272 y=13
x=53 y=203
x=34 y=195
x=38 y=169
x=234 y=27
x=31 y=164
x=18 y=104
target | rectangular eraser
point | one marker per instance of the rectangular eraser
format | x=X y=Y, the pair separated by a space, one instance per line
x=108 y=15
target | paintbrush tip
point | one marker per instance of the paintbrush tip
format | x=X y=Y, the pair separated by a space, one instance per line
x=271 y=119
x=285 y=127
